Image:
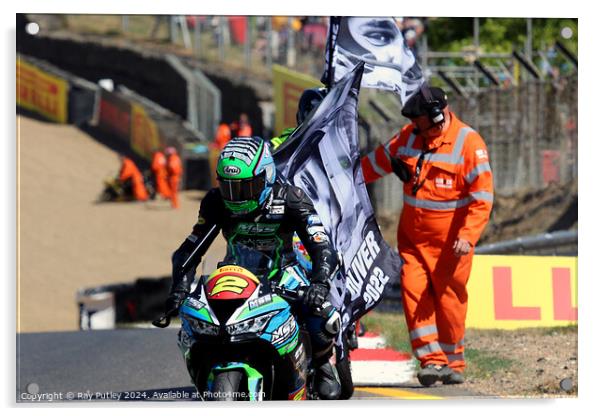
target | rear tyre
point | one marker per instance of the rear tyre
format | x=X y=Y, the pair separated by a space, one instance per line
x=227 y=387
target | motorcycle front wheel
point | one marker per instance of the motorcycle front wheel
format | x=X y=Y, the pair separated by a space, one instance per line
x=227 y=387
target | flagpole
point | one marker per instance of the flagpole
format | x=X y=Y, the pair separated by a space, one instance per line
x=330 y=54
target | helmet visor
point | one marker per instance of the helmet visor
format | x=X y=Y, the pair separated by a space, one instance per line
x=238 y=190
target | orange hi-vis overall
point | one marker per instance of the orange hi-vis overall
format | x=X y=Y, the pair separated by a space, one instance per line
x=159 y=168
x=222 y=136
x=174 y=171
x=131 y=172
x=453 y=200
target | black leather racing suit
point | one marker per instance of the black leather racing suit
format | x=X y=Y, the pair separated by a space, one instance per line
x=268 y=229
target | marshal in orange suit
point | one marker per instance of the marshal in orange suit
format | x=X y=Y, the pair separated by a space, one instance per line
x=159 y=169
x=447 y=200
x=129 y=172
x=174 y=174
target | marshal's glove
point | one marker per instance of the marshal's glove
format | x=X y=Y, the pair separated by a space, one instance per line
x=316 y=295
x=400 y=169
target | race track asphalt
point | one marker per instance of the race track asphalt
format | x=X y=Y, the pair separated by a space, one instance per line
x=134 y=364
x=129 y=360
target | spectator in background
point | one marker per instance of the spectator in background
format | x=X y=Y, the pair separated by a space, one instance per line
x=241 y=128
x=159 y=169
x=222 y=135
x=411 y=29
x=174 y=174
x=130 y=177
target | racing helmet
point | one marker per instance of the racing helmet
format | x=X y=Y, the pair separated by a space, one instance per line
x=310 y=99
x=246 y=173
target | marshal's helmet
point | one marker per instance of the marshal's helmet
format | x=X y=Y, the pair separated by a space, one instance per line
x=246 y=173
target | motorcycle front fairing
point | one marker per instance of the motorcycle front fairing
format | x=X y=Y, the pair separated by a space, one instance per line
x=260 y=333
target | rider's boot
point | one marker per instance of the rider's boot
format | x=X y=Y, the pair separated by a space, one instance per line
x=327 y=382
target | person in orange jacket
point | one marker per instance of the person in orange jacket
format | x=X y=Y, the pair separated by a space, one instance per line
x=174 y=174
x=129 y=172
x=159 y=169
x=447 y=200
x=244 y=128
x=222 y=135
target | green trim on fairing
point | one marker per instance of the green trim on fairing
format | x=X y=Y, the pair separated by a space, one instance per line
x=290 y=345
x=202 y=314
x=277 y=303
x=254 y=377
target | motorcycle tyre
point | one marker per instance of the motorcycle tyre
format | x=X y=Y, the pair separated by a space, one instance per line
x=225 y=385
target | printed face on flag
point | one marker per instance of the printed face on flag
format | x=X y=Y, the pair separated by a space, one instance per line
x=322 y=157
x=377 y=41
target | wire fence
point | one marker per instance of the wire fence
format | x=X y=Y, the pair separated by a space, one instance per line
x=530 y=131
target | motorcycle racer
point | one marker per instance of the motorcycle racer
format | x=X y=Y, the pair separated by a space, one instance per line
x=252 y=207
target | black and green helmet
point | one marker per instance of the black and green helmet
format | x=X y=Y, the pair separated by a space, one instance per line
x=246 y=173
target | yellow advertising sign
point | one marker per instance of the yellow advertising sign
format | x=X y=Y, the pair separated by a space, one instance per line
x=509 y=292
x=288 y=87
x=41 y=92
x=144 y=136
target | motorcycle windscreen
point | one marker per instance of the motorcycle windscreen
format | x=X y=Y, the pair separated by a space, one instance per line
x=230 y=282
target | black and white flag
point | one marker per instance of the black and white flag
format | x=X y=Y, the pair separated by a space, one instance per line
x=322 y=157
x=378 y=42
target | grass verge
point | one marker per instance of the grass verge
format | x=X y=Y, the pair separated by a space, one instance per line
x=480 y=364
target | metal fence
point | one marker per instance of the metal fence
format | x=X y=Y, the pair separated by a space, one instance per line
x=530 y=131
x=204 y=98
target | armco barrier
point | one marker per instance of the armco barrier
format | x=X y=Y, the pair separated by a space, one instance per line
x=152 y=126
x=115 y=115
x=147 y=72
x=105 y=306
x=145 y=137
x=508 y=292
x=137 y=122
x=41 y=92
x=55 y=94
x=288 y=87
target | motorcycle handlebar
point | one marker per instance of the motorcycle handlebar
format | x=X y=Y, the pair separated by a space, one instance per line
x=159 y=323
x=293 y=295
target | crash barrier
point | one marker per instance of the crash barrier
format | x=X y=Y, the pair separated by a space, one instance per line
x=139 y=123
x=105 y=307
x=288 y=87
x=54 y=94
x=504 y=292
x=145 y=126
x=509 y=292
x=204 y=98
x=558 y=242
x=211 y=91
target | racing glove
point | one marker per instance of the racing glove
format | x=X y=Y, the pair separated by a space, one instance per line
x=316 y=295
x=400 y=169
x=180 y=286
x=174 y=301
